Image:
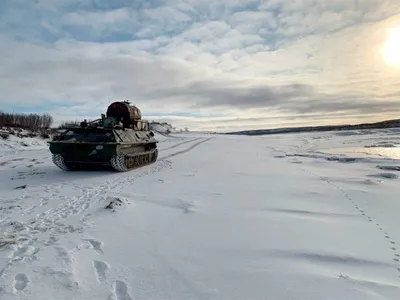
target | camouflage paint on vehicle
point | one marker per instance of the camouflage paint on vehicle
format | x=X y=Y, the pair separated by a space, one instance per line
x=120 y=144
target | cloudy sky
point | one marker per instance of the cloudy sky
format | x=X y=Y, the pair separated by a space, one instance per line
x=203 y=64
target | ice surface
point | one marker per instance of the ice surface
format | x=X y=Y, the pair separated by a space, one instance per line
x=216 y=217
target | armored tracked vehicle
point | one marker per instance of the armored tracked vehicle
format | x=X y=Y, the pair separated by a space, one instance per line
x=120 y=140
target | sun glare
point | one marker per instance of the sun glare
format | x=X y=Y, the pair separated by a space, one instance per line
x=391 y=50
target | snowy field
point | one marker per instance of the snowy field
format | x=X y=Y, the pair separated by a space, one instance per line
x=299 y=216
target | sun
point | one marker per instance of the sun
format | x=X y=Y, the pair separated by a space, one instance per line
x=391 y=50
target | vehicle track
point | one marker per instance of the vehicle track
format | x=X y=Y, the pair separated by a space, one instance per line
x=44 y=194
x=45 y=228
x=181 y=143
x=186 y=150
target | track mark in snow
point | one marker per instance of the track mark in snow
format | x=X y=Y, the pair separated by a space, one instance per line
x=121 y=291
x=96 y=245
x=51 y=241
x=66 y=274
x=186 y=150
x=65 y=255
x=100 y=268
x=54 y=221
x=50 y=220
x=63 y=277
x=44 y=202
x=25 y=252
x=20 y=282
x=179 y=144
x=361 y=211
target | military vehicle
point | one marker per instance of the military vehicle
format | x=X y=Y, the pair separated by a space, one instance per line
x=120 y=140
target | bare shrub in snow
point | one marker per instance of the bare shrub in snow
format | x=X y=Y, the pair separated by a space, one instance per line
x=4 y=135
x=31 y=122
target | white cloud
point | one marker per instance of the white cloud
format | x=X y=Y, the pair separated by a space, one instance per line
x=274 y=62
x=107 y=18
x=253 y=21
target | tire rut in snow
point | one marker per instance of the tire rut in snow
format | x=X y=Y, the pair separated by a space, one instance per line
x=180 y=144
x=186 y=150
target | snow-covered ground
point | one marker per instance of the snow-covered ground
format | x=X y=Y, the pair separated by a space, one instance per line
x=217 y=217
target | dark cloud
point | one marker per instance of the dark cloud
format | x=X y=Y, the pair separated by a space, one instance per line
x=156 y=82
x=290 y=98
x=351 y=104
x=76 y=79
x=237 y=94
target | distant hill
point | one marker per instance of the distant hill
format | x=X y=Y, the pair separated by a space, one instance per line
x=377 y=125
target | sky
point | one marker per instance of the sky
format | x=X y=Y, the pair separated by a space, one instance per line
x=203 y=64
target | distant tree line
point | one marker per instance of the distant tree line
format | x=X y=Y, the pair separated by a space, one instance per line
x=32 y=122
x=43 y=122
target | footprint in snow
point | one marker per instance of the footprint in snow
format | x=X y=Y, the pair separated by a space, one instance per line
x=100 y=268
x=63 y=277
x=121 y=291
x=26 y=252
x=96 y=245
x=52 y=240
x=20 y=282
x=64 y=255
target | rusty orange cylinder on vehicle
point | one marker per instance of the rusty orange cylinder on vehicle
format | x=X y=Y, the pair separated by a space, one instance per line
x=123 y=111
